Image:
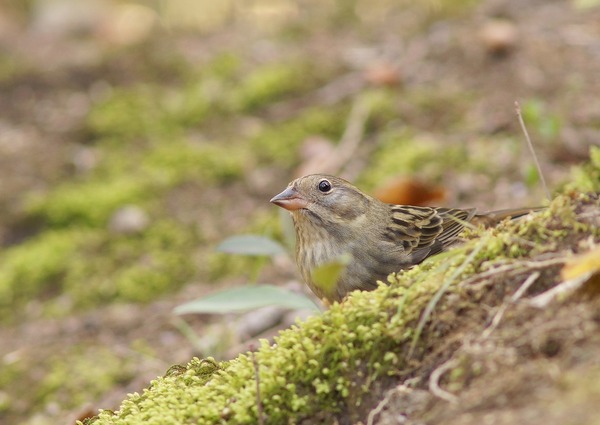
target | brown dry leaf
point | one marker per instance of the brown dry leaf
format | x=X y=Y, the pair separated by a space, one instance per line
x=383 y=74
x=410 y=191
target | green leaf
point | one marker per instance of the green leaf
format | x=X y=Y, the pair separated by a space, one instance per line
x=247 y=298
x=251 y=245
x=326 y=275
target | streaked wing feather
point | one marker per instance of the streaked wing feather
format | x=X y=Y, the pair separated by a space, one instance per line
x=424 y=231
x=453 y=223
x=415 y=227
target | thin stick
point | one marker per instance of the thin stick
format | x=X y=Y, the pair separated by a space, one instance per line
x=530 y=145
x=259 y=406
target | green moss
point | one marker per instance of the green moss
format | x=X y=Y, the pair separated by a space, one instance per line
x=402 y=152
x=200 y=162
x=81 y=375
x=92 y=267
x=278 y=143
x=36 y=267
x=69 y=377
x=586 y=178
x=149 y=174
x=270 y=83
x=326 y=365
x=134 y=267
x=224 y=65
x=135 y=113
x=90 y=203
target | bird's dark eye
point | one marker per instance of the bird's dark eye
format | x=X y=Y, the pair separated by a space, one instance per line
x=324 y=186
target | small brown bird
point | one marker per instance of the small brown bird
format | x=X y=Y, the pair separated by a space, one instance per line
x=334 y=219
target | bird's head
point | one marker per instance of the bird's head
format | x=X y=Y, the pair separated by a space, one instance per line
x=323 y=197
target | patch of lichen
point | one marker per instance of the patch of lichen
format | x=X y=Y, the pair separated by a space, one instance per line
x=327 y=364
x=11 y=67
x=92 y=266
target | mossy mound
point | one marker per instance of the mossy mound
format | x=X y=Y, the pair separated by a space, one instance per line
x=327 y=367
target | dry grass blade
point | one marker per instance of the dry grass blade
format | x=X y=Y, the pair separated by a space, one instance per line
x=532 y=150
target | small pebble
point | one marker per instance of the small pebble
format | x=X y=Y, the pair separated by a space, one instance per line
x=499 y=36
x=129 y=220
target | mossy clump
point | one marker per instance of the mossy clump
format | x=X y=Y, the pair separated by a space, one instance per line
x=136 y=268
x=36 y=267
x=326 y=366
x=92 y=266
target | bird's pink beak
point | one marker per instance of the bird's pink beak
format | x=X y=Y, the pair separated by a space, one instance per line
x=290 y=200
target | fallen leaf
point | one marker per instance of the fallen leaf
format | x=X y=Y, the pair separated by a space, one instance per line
x=409 y=191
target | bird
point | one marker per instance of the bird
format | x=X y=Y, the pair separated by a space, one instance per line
x=335 y=220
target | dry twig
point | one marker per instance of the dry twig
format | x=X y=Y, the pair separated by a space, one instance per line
x=434 y=382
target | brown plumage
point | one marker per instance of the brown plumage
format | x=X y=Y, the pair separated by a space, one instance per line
x=333 y=218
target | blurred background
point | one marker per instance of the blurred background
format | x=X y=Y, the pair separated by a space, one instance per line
x=137 y=135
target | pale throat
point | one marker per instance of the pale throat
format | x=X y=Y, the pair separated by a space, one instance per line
x=321 y=242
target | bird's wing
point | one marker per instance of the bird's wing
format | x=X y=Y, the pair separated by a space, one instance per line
x=453 y=223
x=424 y=231
x=414 y=227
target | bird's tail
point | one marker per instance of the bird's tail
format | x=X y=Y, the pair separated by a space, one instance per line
x=494 y=217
